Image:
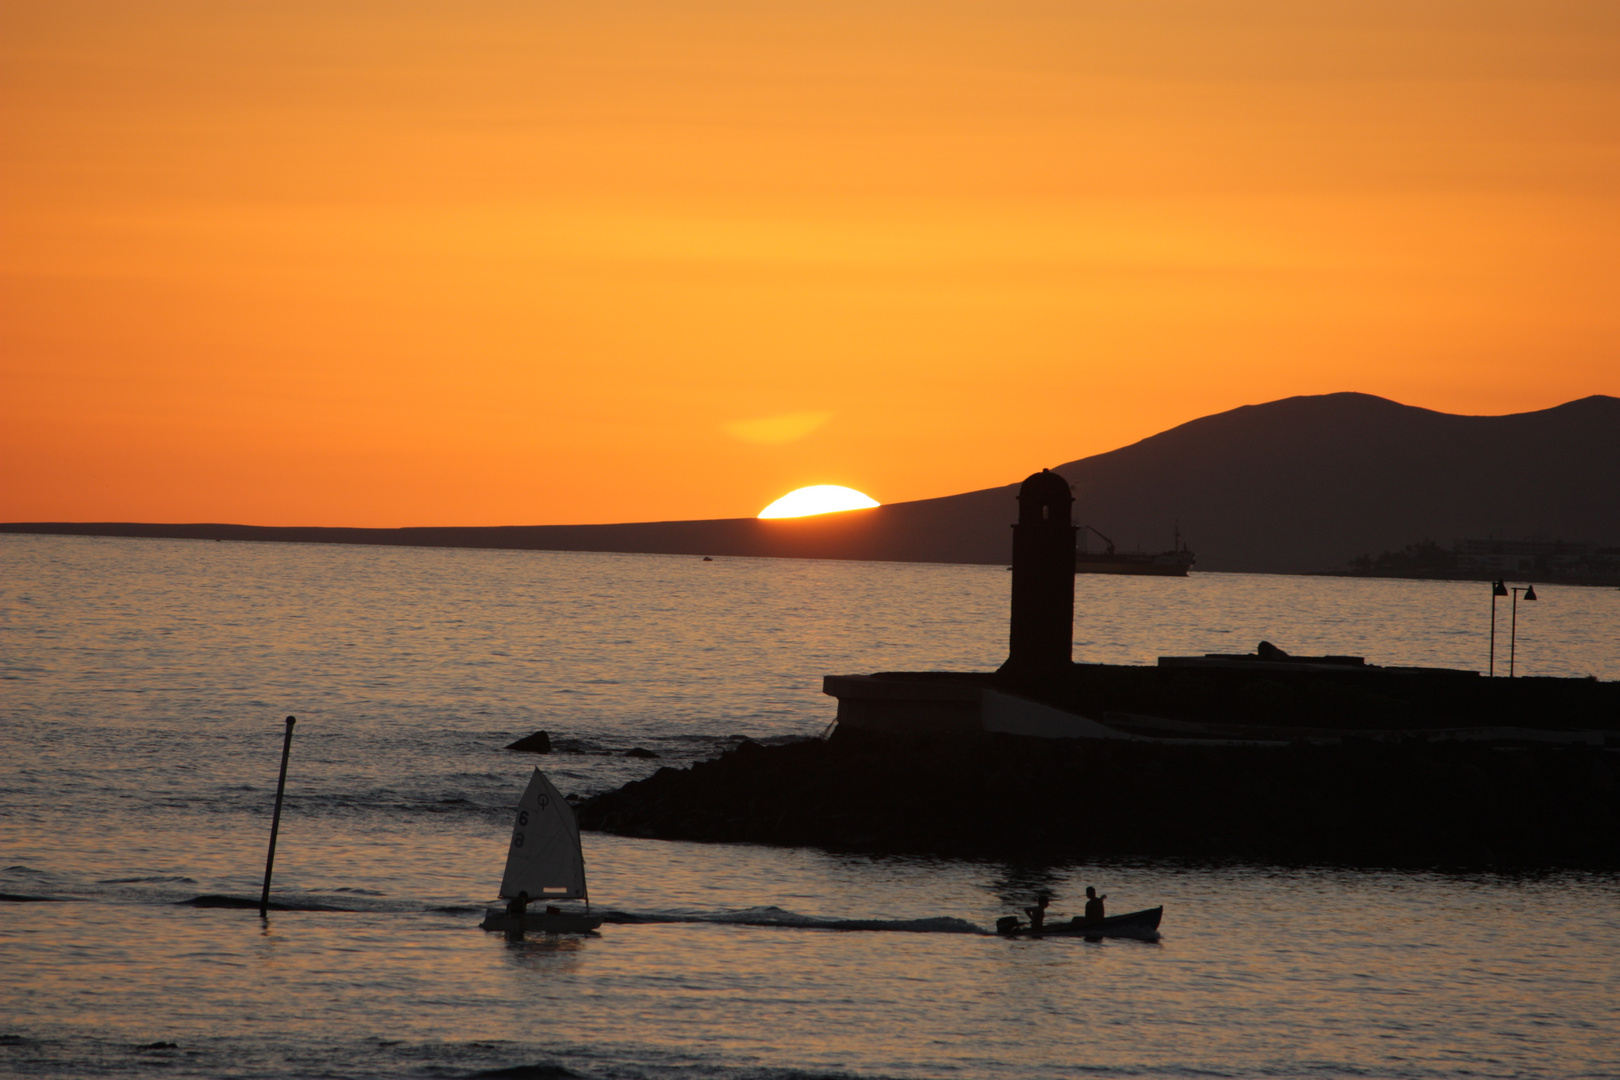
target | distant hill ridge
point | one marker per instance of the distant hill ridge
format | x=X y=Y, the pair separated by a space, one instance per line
x=1300 y=484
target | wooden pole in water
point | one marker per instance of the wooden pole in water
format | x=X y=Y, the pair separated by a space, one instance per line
x=275 y=821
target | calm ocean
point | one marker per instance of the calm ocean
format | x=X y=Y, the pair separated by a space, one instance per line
x=142 y=689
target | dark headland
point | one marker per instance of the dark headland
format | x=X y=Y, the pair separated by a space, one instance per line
x=1298 y=485
x=1263 y=757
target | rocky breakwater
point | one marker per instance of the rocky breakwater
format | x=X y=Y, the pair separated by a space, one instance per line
x=1366 y=803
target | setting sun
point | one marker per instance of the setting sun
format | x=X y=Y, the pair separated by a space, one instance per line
x=819 y=499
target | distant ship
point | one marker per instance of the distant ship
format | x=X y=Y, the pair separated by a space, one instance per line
x=1173 y=563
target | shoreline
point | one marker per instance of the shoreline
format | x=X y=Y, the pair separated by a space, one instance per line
x=734 y=538
x=1484 y=576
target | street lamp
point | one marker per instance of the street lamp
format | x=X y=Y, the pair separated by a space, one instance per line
x=1497 y=589
x=1513 y=635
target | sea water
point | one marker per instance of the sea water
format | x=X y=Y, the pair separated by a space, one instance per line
x=143 y=685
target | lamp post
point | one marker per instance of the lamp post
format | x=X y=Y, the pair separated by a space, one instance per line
x=1497 y=589
x=1513 y=635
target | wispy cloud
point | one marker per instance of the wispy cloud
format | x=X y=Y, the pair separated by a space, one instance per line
x=777 y=429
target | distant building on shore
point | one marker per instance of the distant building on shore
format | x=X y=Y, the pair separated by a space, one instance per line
x=1531 y=559
x=1557 y=558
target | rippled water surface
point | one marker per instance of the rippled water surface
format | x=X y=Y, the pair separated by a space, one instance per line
x=142 y=686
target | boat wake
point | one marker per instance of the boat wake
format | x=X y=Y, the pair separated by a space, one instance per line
x=346 y=901
x=781 y=918
x=27 y=885
x=218 y=900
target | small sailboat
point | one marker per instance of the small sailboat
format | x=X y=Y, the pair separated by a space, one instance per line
x=546 y=863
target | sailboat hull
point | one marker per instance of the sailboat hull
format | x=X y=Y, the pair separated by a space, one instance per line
x=538 y=922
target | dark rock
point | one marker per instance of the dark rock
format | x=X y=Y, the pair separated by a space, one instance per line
x=538 y=743
x=639 y=751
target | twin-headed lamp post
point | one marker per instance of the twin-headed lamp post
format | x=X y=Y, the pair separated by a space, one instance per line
x=1499 y=588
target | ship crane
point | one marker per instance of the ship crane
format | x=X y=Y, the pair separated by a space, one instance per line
x=1105 y=540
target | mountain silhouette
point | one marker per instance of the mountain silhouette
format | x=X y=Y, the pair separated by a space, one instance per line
x=1301 y=484
x=1310 y=482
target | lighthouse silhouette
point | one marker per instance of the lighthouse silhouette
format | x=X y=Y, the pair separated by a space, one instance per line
x=1042 y=634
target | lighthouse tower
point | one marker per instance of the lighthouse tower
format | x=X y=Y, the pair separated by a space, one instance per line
x=1042 y=637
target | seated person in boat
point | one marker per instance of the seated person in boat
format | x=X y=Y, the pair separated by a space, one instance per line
x=1037 y=914
x=518 y=905
x=1094 y=905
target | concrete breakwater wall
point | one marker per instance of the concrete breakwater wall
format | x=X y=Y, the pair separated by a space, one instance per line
x=1324 y=695
x=1004 y=797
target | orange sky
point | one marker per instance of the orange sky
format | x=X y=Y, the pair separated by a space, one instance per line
x=410 y=263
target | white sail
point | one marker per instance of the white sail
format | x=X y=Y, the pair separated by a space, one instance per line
x=544 y=859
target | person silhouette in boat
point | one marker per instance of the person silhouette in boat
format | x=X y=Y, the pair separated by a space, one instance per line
x=1037 y=914
x=1094 y=905
x=518 y=906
